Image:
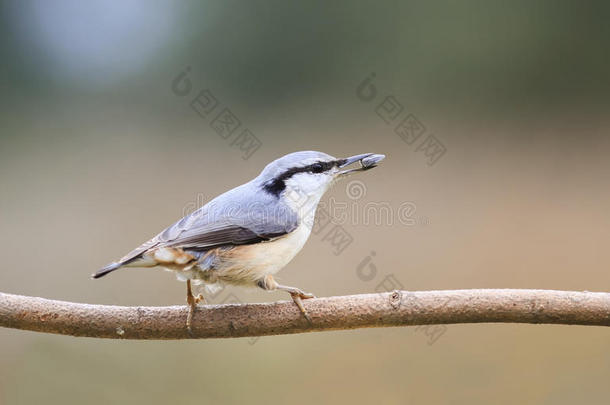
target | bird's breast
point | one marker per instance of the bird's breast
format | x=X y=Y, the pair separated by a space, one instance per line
x=276 y=253
x=250 y=263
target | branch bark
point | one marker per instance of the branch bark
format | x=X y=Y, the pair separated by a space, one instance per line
x=397 y=308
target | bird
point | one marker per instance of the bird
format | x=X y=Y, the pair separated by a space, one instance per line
x=246 y=235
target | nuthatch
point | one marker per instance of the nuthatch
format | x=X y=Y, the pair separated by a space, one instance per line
x=246 y=235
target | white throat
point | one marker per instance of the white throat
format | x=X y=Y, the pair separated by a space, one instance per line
x=303 y=198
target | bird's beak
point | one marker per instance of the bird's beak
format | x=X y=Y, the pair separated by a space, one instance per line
x=367 y=161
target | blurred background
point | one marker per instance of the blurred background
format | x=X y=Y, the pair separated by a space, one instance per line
x=494 y=119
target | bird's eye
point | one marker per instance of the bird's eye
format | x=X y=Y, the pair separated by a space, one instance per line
x=317 y=168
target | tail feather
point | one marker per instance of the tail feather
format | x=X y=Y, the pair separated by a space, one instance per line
x=106 y=269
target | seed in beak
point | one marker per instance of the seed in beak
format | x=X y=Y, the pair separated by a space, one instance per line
x=371 y=161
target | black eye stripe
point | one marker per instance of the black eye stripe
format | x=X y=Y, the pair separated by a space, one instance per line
x=319 y=167
x=277 y=185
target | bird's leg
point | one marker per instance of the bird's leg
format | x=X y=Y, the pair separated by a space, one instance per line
x=269 y=284
x=192 y=302
x=297 y=296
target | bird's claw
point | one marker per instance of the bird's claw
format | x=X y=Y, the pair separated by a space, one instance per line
x=189 y=319
x=296 y=297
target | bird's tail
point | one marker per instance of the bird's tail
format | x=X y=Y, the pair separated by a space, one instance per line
x=106 y=269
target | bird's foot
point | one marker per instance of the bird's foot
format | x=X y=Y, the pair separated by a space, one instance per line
x=298 y=296
x=192 y=302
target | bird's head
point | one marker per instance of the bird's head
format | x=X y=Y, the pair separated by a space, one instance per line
x=308 y=174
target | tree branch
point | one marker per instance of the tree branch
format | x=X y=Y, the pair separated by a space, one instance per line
x=397 y=308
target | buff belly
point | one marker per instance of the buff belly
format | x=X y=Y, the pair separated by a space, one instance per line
x=238 y=265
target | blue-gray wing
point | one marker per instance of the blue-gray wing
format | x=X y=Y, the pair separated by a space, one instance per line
x=227 y=220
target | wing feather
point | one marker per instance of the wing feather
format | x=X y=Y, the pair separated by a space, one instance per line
x=209 y=227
